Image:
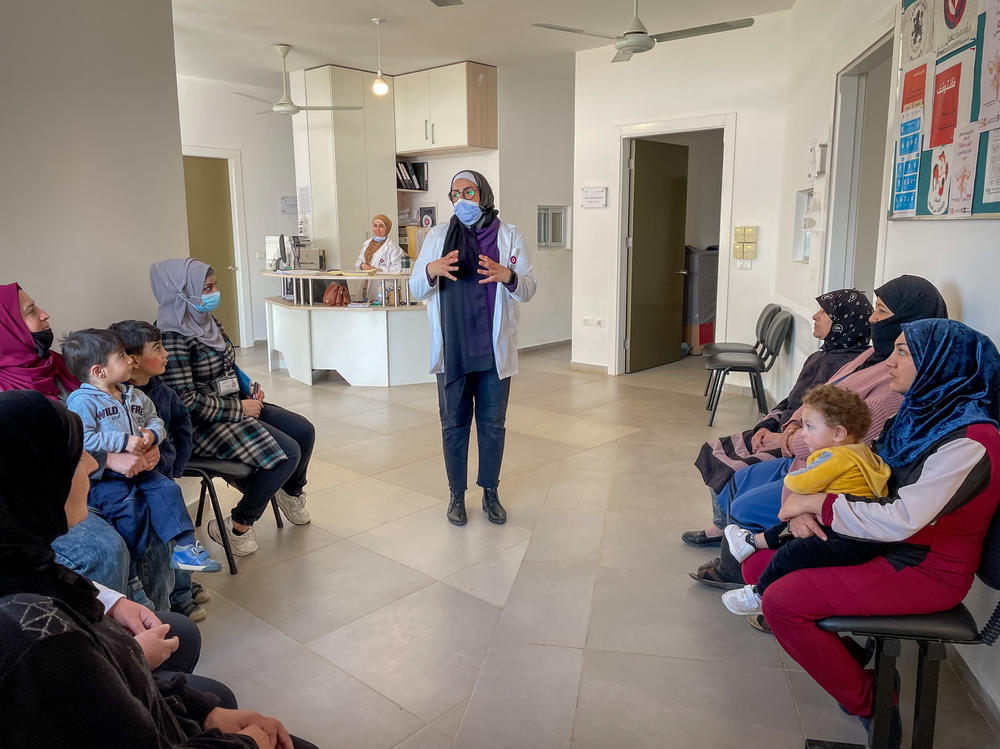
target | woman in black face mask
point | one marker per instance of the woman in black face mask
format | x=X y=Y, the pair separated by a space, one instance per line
x=26 y=363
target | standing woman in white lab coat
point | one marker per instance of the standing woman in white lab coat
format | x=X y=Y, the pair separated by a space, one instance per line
x=380 y=253
x=474 y=271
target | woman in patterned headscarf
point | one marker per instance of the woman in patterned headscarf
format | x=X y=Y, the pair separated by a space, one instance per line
x=842 y=324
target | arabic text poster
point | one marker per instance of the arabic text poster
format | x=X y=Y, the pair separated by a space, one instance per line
x=939 y=185
x=965 y=151
x=918 y=35
x=989 y=92
x=954 y=23
x=991 y=180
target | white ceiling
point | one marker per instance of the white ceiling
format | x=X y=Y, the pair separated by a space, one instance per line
x=231 y=39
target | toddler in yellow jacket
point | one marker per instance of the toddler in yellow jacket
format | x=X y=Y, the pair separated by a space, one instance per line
x=833 y=419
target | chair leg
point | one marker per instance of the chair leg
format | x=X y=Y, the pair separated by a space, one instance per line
x=277 y=515
x=886 y=652
x=222 y=528
x=718 y=395
x=711 y=378
x=761 y=395
x=925 y=706
x=201 y=501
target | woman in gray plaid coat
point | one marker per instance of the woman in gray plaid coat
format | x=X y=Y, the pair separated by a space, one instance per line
x=229 y=422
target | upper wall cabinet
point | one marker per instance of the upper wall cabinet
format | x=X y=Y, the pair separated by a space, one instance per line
x=449 y=109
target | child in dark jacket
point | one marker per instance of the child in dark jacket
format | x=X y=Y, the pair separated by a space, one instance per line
x=143 y=342
x=118 y=417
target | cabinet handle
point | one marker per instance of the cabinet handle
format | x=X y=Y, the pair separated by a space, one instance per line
x=432 y=133
x=425 y=129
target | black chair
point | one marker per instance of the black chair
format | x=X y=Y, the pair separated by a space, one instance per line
x=753 y=364
x=931 y=632
x=231 y=472
x=729 y=347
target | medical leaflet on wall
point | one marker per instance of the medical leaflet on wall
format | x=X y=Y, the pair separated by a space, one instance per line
x=965 y=151
x=953 y=89
x=989 y=91
x=918 y=34
x=904 y=202
x=954 y=23
x=939 y=185
x=991 y=177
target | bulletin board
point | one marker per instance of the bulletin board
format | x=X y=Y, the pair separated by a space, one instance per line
x=946 y=155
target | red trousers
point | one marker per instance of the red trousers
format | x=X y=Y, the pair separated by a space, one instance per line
x=794 y=602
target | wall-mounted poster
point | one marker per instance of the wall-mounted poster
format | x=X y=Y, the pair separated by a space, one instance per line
x=954 y=23
x=954 y=79
x=918 y=34
x=965 y=151
x=907 y=164
x=428 y=216
x=989 y=92
x=991 y=168
x=939 y=185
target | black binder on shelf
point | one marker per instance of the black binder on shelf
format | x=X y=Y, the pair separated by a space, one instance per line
x=411 y=175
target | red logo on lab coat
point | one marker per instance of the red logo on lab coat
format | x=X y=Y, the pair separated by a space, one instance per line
x=513 y=259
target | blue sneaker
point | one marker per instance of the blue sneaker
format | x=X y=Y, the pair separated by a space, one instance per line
x=200 y=550
x=187 y=557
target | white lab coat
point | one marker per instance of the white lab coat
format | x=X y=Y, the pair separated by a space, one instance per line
x=388 y=258
x=514 y=255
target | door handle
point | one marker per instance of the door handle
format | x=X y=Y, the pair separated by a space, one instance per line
x=425 y=129
x=432 y=133
x=231 y=267
x=681 y=272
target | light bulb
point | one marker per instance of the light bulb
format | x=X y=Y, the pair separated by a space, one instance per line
x=380 y=87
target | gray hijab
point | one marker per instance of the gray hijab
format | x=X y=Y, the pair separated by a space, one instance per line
x=177 y=285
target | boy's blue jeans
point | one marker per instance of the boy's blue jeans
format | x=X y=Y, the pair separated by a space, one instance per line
x=94 y=550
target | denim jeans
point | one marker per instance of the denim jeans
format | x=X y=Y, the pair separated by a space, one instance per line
x=155 y=573
x=296 y=435
x=484 y=395
x=94 y=549
x=182 y=587
x=758 y=495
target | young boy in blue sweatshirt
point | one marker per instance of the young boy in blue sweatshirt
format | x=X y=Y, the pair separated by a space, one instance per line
x=144 y=343
x=119 y=418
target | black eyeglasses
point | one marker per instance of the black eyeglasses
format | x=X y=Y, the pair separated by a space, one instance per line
x=469 y=193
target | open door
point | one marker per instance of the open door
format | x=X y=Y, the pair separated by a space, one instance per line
x=655 y=244
x=210 y=231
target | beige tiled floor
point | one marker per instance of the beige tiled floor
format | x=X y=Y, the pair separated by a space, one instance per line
x=381 y=625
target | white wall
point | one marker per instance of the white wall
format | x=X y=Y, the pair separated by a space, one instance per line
x=701 y=221
x=212 y=116
x=748 y=76
x=536 y=168
x=92 y=183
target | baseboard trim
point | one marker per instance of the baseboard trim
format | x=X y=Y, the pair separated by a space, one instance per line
x=984 y=701
x=589 y=368
x=543 y=346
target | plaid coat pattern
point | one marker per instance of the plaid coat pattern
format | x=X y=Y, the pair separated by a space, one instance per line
x=220 y=428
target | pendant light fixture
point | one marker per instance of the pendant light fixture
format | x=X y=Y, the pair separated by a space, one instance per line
x=379 y=87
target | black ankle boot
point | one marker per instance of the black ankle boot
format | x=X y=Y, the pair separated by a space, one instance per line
x=492 y=507
x=456 y=509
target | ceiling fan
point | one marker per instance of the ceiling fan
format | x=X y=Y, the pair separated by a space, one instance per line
x=636 y=38
x=285 y=105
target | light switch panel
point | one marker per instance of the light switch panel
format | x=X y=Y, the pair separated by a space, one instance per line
x=737 y=249
x=738 y=234
x=749 y=233
x=749 y=250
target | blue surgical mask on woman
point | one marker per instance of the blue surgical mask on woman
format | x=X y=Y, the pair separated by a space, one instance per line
x=378 y=239
x=208 y=302
x=467 y=211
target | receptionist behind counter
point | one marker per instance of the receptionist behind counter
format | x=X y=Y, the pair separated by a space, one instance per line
x=380 y=253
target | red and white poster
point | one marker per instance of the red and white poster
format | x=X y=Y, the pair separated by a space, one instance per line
x=964 y=152
x=914 y=86
x=944 y=118
x=939 y=186
x=954 y=23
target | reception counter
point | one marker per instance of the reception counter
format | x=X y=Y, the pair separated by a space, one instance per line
x=371 y=346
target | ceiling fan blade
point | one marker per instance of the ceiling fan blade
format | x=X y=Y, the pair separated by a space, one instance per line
x=446 y=3
x=255 y=98
x=712 y=28
x=329 y=109
x=567 y=29
x=622 y=57
x=269 y=111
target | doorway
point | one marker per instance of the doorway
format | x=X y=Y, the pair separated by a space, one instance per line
x=673 y=215
x=210 y=232
x=860 y=155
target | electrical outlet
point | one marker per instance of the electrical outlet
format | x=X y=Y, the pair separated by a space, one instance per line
x=593 y=322
x=598 y=322
x=260 y=255
x=744 y=264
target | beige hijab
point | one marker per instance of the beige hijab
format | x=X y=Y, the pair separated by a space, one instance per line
x=373 y=246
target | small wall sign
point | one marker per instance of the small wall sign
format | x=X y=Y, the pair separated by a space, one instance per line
x=594 y=197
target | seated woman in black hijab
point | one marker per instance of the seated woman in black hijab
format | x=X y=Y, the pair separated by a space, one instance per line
x=69 y=676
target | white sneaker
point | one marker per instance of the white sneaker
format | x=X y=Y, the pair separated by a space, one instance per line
x=739 y=542
x=742 y=601
x=293 y=507
x=242 y=546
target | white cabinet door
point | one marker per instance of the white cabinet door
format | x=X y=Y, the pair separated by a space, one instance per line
x=449 y=110
x=412 y=113
x=380 y=153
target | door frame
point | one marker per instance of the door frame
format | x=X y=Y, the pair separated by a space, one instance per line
x=841 y=221
x=618 y=272
x=241 y=257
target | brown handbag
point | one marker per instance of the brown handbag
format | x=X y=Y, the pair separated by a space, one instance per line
x=336 y=296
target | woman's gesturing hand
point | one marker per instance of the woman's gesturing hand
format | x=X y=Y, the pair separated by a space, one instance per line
x=444 y=266
x=494 y=272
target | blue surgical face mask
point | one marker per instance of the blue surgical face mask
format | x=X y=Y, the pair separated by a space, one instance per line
x=467 y=211
x=379 y=239
x=208 y=302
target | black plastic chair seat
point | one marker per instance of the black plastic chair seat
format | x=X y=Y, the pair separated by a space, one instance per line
x=227 y=469
x=735 y=361
x=955 y=625
x=726 y=347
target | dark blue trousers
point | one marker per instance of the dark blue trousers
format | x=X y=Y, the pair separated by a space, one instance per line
x=485 y=396
x=147 y=503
